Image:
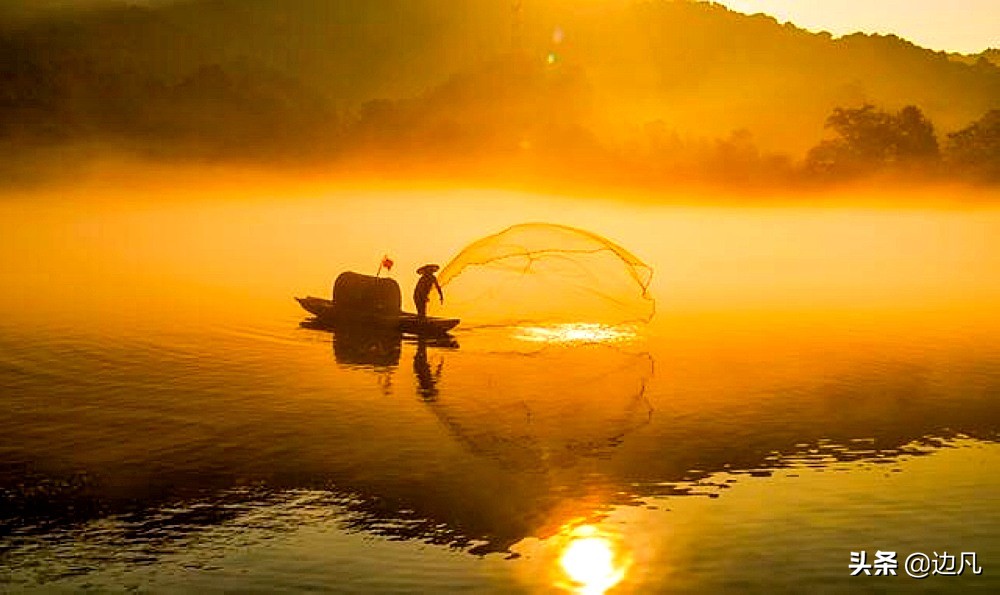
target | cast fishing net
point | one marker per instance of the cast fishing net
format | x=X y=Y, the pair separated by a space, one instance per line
x=546 y=273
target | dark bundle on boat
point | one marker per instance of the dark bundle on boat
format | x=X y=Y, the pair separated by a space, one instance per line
x=357 y=294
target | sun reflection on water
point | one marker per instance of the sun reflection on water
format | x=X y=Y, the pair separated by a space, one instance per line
x=575 y=333
x=591 y=563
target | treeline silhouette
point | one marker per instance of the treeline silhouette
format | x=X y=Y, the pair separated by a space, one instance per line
x=870 y=140
x=645 y=93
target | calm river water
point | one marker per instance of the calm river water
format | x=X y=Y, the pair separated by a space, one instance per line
x=817 y=381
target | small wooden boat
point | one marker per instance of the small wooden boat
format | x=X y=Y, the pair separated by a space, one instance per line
x=404 y=322
x=371 y=303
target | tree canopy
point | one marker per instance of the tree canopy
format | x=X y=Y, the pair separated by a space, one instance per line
x=975 y=149
x=870 y=139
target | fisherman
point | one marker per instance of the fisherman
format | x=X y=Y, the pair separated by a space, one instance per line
x=422 y=292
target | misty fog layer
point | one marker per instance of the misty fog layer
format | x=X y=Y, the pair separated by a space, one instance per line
x=643 y=93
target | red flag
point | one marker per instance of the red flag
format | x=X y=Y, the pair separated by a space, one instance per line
x=387 y=263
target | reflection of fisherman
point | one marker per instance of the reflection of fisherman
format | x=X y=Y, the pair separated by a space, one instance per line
x=422 y=292
x=426 y=379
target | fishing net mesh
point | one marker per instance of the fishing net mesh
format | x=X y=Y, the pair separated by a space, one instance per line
x=545 y=273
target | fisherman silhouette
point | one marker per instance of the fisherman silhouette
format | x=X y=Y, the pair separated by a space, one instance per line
x=422 y=292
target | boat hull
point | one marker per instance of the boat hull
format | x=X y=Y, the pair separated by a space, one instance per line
x=404 y=322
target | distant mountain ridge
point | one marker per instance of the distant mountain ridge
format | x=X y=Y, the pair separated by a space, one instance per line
x=991 y=55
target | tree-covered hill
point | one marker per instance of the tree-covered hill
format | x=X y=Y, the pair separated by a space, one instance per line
x=309 y=78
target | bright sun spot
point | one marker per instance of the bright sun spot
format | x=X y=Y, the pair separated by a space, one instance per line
x=590 y=563
x=575 y=333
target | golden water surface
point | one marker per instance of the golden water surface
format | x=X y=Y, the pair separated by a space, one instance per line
x=817 y=380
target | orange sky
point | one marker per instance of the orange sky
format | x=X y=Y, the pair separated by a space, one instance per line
x=967 y=26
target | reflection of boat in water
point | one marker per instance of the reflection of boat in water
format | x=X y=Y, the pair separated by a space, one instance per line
x=358 y=347
x=374 y=303
x=377 y=348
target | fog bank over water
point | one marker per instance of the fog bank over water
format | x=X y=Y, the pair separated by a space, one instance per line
x=126 y=180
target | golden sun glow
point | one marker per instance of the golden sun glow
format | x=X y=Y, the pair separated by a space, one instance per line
x=590 y=563
x=575 y=333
